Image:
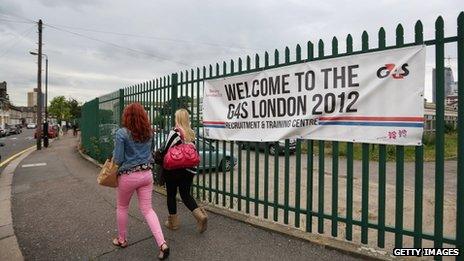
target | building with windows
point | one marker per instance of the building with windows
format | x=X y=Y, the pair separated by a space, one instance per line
x=4 y=105
x=32 y=98
x=12 y=115
x=15 y=115
x=452 y=101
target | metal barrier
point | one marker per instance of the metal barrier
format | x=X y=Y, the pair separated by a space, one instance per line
x=380 y=203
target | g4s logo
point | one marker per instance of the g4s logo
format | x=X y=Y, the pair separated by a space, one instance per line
x=389 y=69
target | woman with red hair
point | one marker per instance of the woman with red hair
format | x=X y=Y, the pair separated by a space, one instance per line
x=132 y=153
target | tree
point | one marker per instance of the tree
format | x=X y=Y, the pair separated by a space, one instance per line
x=74 y=108
x=166 y=110
x=181 y=102
x=64 y=110
x=60 y=109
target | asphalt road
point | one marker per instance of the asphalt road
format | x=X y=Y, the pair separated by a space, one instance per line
x=16 y=143
x=254 y=185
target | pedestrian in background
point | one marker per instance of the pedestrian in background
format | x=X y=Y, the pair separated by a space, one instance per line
x=132 y=152
x=60 y=130
x=65 y=129
x=75 y=126
x=181 y=178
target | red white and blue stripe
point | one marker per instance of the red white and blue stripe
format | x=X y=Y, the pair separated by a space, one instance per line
x=214 y=124
x=411 y=122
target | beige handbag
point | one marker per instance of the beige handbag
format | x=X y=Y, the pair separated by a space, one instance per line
x=109 y=174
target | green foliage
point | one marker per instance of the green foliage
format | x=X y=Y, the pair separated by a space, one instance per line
x=160 y=121
x=95 y=151
x=64 y=110
x=74 y=108
x=166 y=110
x=59 y=108
x=106 y=145
x=429 y=138
x=449 y=128
x=182 y=103
x=409 y=151
x=105 y=116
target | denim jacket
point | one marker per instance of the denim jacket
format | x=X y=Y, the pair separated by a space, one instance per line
x=128 y=153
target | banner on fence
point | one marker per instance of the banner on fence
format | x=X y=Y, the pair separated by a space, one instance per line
x=373 y=98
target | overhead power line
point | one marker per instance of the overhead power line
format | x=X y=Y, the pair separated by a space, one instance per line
x=117 y=45
x=14 y=21
x=19 y=37
x=217 y=45
x=227 y=46
x=14 y=16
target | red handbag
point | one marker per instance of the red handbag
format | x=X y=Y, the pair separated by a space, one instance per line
x=181 y=156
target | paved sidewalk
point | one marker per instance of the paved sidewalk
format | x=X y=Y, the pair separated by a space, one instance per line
x=59 y=212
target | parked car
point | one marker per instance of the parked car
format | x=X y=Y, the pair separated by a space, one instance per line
x=52 y=133
x=18 y=128
x=271 y=145
x=225 y=161
x=11 y=130
x=31 y=126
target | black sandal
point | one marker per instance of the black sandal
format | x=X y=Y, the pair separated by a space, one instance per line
x=119 y=244
x=163 y=253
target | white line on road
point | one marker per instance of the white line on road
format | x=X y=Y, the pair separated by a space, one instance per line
x=34 y=165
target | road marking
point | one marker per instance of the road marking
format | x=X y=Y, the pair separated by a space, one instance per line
x=34 y=165
x=15 y=156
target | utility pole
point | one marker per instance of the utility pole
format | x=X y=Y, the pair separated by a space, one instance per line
x=39 y=89
x=45 y=125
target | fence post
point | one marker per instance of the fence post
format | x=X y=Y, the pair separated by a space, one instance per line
x=460 y=174
x=96 y=129
x=440 y=132
x=173 y=97
x=121 y=106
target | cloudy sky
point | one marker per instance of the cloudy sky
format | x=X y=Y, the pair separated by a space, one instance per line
x=98 y=46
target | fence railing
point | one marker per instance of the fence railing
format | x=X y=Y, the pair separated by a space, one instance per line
x=308 y=184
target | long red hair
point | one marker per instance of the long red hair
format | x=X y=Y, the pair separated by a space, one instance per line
x=135 y=119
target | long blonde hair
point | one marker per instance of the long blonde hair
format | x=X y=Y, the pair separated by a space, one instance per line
x=182 y=119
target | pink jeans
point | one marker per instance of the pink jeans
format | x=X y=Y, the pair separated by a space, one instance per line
x=142 y=182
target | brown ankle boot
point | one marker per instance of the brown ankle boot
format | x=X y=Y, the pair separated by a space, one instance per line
x=202 y=219
x=172 y=222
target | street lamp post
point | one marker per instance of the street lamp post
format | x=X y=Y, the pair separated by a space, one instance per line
x=45 y=125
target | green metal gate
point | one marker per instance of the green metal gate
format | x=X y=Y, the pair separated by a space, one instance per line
x=322 y=188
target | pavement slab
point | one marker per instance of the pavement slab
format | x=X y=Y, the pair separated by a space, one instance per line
x=60 y=212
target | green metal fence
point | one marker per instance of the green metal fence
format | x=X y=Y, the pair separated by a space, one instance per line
x=89 y=128
x=381 y=203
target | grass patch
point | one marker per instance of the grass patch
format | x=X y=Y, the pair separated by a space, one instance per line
x=451 y=147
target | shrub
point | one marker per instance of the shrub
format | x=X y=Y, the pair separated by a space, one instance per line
x=449 y=128
x=428 y=138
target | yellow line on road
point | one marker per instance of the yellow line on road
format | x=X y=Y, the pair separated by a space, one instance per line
x=15 y=156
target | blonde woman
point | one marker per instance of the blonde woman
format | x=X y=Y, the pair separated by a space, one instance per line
x=181 y=178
